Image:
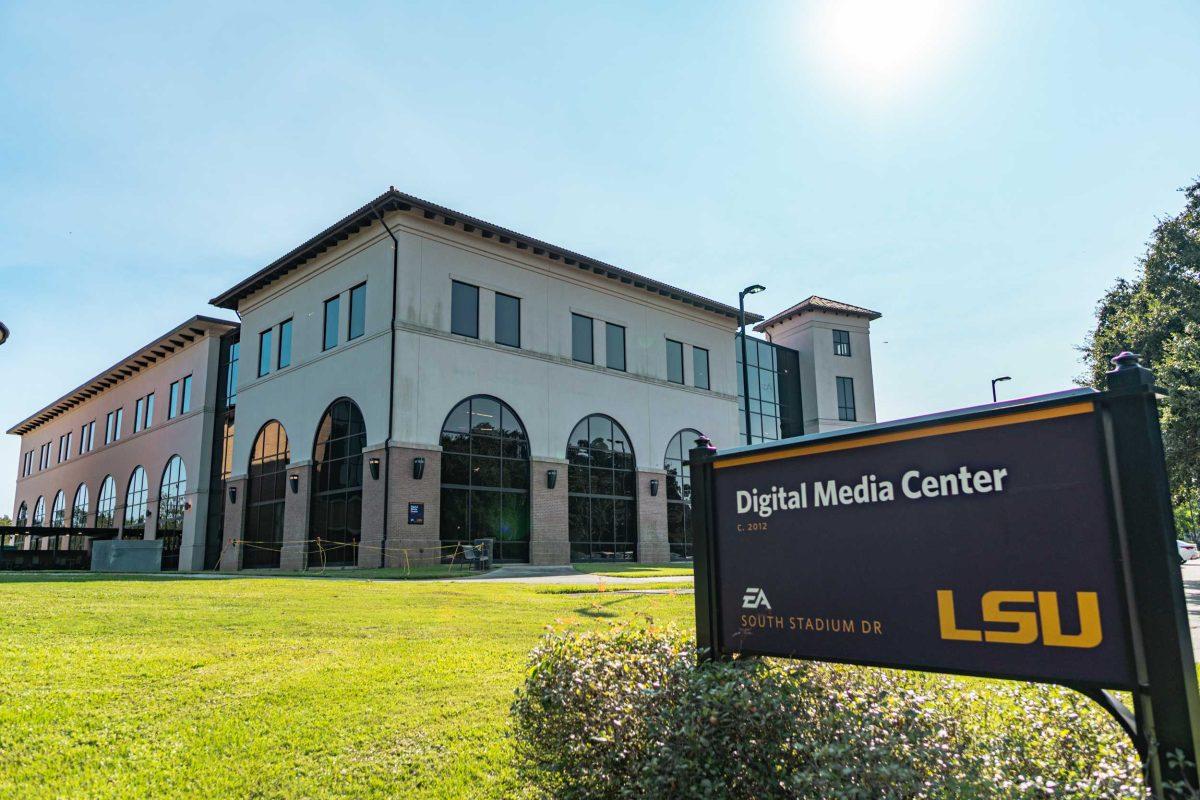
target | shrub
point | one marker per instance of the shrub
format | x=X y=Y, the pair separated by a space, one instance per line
x=626 y=714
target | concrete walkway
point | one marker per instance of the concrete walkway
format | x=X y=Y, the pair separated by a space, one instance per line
x=523 y=573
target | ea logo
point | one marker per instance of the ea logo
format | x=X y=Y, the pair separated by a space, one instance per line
x=755 y=598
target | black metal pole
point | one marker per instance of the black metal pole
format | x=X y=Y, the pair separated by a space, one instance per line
x=703 y=548
x=1167 y=704
x=745 y=368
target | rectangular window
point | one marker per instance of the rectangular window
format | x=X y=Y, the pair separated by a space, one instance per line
x=231 y=372
x=118 y=419
x=108 y=428
x=700 y=367
x=508 y=320
x=845 y=391
x=83 y=439
x=264 y=352
x=149 y=410
x=674 y=361
x=464 y=309
x=285 y=345
x=614 y=346
x=91 y=436
x=185 y=395
x=62 y=441
x=358 y=311
x=67 y=449
x=173 y=400
x=841 y=343
x=138 y=410
x=332 y=306
x=581 y=339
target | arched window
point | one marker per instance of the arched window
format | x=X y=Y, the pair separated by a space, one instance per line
x=106 y=504
x=337 y=485
x=23 y=515
x=170 y=511
x=58 y=511
x=485 y=477
x=135 y=504
x=79 y=507
x=267 y=480
x=39 y=512
x=601 y=492
x=679 y=493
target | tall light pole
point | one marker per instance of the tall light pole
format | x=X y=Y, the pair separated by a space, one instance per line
x=998 y=380
x=755 y=289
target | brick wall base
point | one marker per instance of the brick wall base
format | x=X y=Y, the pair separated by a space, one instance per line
x=297 y=509
x=653 y=547
x=235 y=514
x=548 y=540
x=413 y=545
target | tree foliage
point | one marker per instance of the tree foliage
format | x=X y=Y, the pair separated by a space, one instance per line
x=1157 y=314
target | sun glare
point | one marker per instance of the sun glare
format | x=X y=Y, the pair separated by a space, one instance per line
x=879 y=48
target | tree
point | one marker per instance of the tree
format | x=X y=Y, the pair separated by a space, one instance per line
x=5 y=521
x=1158 y=315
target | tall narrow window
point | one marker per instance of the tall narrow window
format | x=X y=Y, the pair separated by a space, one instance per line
x=841 y=343
x=264 y=352
x=265 y=487
x=108 y=428
x=91 y=436
x=601 y=492
x=173 y=401
x=22 y=515
x=58 y=511
x=700 y=367
x=358 y=311
x=39 y=513
x=231 y=371
x=135 y=505
x=68 y=448
x=464 y=309
x=139 y=410
x=118 y=423
x=614 y=346
x=171 y=497
x=83 y=439
x=336 y=522
x=508 y=320
x=185 y=395
x=674 y=361
x=79 y=508
x=285 y=346
x=581 y=339
x=149 y=410
x=332 y=315
x=845 y=394
x=679 y=493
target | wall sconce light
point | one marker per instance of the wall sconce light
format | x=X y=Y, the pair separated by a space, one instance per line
x=294 y=482
x=232 y=494
x=187 y=505
x=373 y=465
x=418 y=468
x=654 y=487
x=551 y=478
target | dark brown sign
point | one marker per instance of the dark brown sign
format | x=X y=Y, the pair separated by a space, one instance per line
x=980 y=545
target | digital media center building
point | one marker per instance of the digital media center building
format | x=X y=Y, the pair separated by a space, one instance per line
x=412 y=378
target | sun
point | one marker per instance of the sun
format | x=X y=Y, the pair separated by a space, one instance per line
x=878 y=48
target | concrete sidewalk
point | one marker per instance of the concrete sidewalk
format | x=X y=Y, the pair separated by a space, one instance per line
x=523 y=573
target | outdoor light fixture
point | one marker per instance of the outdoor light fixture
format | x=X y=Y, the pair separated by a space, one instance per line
x=654 y=487
x=754 y=289
x=551 y=478
x=294 y=482
x=373 y=465
x=187 y=505
x=233 y=494
x=998 y=380
x=418 y=468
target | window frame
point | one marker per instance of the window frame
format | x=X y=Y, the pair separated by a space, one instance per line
x=839 y=345
x=609 y=327
x=185 y=394
x=454 y=293
x=283 y=355
x=264 y=351
x=139 y=408
x=696 y=372
x=361 y=307
x=845 y=388
x=334 y=303
x=173 y=400
x=591 y=338
x=682 y=373
x=517 y=304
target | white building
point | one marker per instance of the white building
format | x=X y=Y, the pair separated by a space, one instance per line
x=412 y=378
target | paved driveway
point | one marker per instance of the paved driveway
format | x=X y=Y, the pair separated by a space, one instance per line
x=1191 y=589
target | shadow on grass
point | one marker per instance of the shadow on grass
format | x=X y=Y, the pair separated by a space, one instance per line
x=600 y=609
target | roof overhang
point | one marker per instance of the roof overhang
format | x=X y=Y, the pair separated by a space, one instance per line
x=142 y=358
x=393 y=200
x=818 y=304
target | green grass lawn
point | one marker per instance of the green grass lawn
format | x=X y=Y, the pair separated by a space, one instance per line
x=618 y=570
x=271 y=688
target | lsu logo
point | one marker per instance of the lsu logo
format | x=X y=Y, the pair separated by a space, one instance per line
x=1025 y=617
x=755 y=598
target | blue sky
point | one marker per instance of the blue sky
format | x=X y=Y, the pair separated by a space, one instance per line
x=980 y=172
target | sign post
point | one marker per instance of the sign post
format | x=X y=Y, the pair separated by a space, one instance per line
x=1030 y=540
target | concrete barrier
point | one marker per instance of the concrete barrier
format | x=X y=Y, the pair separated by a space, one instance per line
x=128 y=555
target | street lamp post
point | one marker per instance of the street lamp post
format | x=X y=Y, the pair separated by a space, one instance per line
x=998 y=380
x=755 y=289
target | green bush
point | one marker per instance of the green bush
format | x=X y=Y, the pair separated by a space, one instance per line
x=626 y=714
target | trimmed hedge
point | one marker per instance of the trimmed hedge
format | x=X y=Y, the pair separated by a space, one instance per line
x=626 y=714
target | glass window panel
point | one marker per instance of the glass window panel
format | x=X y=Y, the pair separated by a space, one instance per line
x=581 y=339
x=464 y=309
x=674 y=361
x=485 y=416
x=508 y=320
x=332 y=315
x=185 y=398
x=700 y=367
x=264 y=353
x=614 y=346
x=454 y=514
x=285 y=344
x=485 y=471
x=358 y=311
